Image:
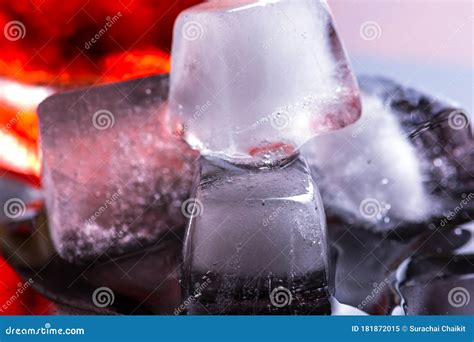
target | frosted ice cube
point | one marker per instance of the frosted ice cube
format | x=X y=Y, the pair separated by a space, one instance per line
x=257 y=237
x=249 y=76
x=114 y=176
x=403 y=162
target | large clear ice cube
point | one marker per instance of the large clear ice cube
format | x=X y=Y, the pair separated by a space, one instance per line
x=256 y=242
x=114 y=176
x=252 y=76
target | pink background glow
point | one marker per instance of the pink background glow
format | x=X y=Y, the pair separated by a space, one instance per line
x=432 y=31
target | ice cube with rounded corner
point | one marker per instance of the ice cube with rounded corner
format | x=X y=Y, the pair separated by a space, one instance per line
x=249 y=77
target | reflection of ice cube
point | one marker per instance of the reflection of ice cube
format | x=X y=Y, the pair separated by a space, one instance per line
x=401 y=162
x=437 y=279
x=253 y=73
x=254 y=231
x=149 y=276
x=361 y=260
x=114 y=177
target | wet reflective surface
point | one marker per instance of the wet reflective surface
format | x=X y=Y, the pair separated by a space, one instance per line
x=396 y=274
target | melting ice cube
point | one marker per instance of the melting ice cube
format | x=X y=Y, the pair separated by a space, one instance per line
x=257 y=242
x=249 y=77
x=405 y=161
x=114 y=177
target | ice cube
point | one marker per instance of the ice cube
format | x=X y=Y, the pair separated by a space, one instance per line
x=403 y=162
x=249 y=76
x=114 y=176
x=256 y=242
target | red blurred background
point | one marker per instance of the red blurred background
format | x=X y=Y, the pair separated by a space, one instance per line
x=54 y=45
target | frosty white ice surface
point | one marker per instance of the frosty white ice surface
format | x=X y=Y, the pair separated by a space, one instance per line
x=114 y=177
x=373 y=175
x=402 y=162
x=252 y=76
x=257 y=236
